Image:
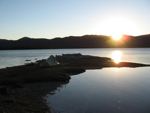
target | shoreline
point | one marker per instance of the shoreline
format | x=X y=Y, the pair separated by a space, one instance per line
x=30 y=98
x=23 y=88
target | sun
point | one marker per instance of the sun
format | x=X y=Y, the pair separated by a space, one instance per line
x=117 y=37
x=116 y=26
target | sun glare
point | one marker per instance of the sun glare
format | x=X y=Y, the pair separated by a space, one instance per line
x=116 y=37
x=116 y=26
x=116 y=56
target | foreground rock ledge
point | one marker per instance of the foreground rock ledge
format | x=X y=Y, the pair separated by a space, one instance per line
x=22 y=88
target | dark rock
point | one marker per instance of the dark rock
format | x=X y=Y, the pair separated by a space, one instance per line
x=4 y=91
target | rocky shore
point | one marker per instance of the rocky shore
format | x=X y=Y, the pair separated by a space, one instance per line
x=23 y=88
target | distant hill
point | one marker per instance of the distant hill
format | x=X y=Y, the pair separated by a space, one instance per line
x=86 y=41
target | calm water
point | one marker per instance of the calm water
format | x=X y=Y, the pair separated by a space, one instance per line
x=108 y=90
x=17 y=57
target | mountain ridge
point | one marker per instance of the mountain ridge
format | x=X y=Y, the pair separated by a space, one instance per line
x=85 y=41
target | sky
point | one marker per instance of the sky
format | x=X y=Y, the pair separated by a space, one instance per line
x=60 y=18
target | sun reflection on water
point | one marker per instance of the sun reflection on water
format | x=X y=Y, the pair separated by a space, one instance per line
x=116 y=56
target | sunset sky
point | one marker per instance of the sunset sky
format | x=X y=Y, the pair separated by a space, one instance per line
x=59 y=18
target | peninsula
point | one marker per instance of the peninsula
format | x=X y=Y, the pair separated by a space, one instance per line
x=23 y=88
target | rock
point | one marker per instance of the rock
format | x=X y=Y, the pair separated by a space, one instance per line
x=52 y=61
x=4 y=91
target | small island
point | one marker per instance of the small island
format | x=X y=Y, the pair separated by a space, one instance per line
x=23 y=88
